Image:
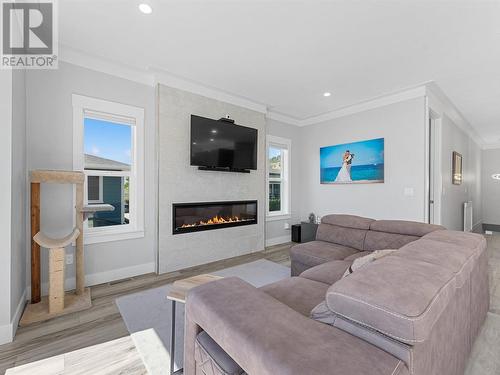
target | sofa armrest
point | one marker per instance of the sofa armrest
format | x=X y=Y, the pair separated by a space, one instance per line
x=265 y=336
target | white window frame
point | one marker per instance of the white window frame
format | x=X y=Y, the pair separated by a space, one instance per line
x=87 y=107
x=100 y=200
x=286 y=145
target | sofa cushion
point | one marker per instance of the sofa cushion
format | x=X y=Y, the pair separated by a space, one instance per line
x=450 y=256
x=328 y=273
x=348 y=221
x=470 y=240
x=319 y=252
x=363 y=261
x=298 y=293
x=382 y=240
x=357 y=255
x=409 y=228
x=351 y=237
x=398 y=297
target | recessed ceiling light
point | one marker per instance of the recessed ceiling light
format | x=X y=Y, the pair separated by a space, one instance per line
x=211 y=139
x=214 y=131
x=145 y=8
x=326 y=94
x=496 y=176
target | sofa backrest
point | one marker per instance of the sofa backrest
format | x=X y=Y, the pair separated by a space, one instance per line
x=366 y=234
x=346 y=230
x=394 y=234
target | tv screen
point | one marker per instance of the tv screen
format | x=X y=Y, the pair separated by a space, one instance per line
x=221 y=144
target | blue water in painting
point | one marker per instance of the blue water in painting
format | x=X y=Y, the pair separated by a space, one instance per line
x=358 y=173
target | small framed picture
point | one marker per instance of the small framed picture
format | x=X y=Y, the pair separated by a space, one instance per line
x=457 y=175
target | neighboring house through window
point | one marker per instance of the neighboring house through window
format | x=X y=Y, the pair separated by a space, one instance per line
x=108 y=148
x=278 y=177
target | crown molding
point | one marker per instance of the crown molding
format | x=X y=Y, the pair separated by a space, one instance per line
x=491 y=146
x=380 y=101
x=153 y=76
x=440 y=103
x=85 y=60
x=283 y=118
x=166 y=78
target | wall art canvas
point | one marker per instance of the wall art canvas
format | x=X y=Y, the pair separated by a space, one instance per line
x=353 y=163
x=457 y=174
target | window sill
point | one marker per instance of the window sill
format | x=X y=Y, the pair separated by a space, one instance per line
x=278 y=217
x=111 y=235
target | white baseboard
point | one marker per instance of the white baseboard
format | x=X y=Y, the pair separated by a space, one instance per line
x=278 y=240
x=103 y=277
x=8 y=331
x=477 y=228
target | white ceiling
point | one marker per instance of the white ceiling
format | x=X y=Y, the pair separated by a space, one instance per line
x=285 y=54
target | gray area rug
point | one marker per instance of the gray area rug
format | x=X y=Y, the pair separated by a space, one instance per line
x=147 y=314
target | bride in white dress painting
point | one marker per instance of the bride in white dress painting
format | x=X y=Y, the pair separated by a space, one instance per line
x=344 y=175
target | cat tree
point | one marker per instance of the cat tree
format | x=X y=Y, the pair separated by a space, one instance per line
x=58 y=302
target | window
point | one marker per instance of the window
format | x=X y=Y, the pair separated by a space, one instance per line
x=278 y=176
x=108 y=148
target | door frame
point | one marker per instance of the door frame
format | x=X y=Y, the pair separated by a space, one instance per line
x=433 y=170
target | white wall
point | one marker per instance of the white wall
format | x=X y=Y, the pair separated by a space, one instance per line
x=50 y=145
x=275 y=229
x=454 y=196
x=491 y=187
x=19 y=196
x=179 y=182
x=403 y=127
x=5 y=203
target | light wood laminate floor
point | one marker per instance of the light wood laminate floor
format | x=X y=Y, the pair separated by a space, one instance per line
x=103 y=323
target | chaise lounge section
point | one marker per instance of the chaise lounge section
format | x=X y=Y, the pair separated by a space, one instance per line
x=415 y=311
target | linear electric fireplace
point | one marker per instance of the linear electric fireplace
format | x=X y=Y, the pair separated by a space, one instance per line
x=193 y=217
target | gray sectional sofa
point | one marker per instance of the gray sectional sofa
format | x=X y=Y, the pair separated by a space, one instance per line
x=415 y=311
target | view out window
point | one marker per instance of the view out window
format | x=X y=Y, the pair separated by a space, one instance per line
x=278 y=176
x=108 y=146
x=107 y=165
x=94 y=189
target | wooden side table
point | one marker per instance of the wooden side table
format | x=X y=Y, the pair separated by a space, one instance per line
x=178 y=293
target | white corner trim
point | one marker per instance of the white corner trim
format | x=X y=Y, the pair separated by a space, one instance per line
x=491 y=146
x=441 y=104
x=111 y=236
x=380 y=101
x=6 y=334
x=278 y=217
x=103 y=277
x=152 y=76
x=278 y=240
x=283 y=118
x=8 y=331
x=166 y=78
x=114 y=68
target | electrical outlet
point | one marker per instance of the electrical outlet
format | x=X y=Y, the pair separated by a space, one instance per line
x=409 y=192
x=286 y=226
x=69 y=258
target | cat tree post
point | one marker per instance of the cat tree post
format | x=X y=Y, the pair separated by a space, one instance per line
x=80 y=270
x=35 y=248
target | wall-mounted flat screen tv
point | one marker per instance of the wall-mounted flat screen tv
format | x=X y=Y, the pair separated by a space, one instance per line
x=221 y=144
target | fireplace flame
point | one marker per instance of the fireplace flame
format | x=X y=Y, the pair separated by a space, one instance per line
x=215 y=220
